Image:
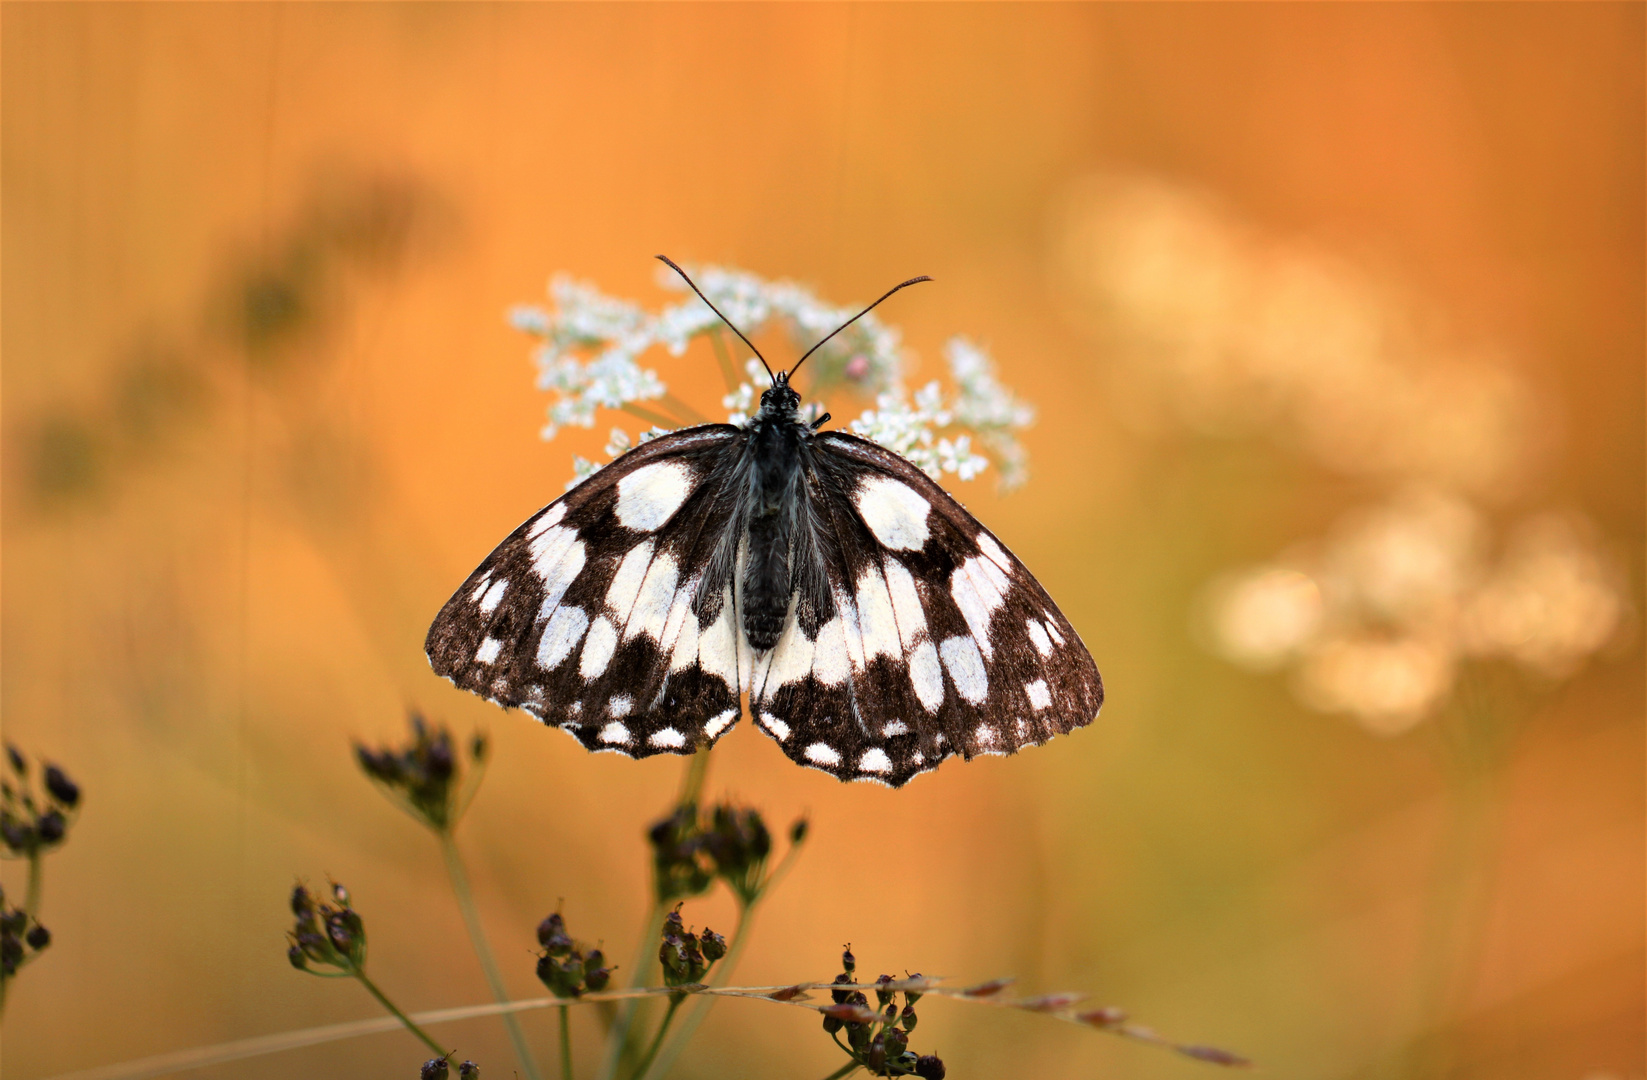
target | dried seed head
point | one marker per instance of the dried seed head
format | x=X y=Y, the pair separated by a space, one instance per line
x=929 y=1067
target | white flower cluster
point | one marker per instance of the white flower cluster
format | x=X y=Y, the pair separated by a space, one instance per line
x=1213 y=326
x=1375 y=620
x=591 y=344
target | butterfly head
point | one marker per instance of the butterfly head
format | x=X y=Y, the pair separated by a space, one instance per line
x=779 y=400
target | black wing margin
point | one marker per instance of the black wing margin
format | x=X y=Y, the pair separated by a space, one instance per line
x=596 y=615
x=940 y=642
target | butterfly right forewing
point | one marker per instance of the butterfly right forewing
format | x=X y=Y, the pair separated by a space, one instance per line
x=937 y=641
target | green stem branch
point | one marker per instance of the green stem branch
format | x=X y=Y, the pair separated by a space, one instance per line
x=406 y=1021
x=657 y=1040
x=723 y=971
x=483 y=951
x=565 y=1043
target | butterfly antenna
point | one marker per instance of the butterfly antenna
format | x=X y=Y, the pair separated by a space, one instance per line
x=855 y=318
x=671 y=264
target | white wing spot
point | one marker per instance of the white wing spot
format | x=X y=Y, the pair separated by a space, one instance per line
x=965 y=667
x=830 y=664
x=1039 y=696
x=775 y=726
x=979 y=588
x=993 y=552
x=667 y=737
x=627 y=581
x=927 y=676
x=494 y=596
x=877 y=626
x=985 y=735
x=651 y=494
x=906 y=602
x=620 y=705
x=550 y=518
x=650 y=614
x=918 y=758
x=718 y=644
x=1052 y=628
x=481 y=586
x=720 y=723
x=558 y=558
x=897 y=727
x=1038 y=637
x=598 y=649
x=574 y=708
x=875 y=761
x=615 y=733
x=894 y=512
x=822 y=754
x=488 y=651
x=561 y=636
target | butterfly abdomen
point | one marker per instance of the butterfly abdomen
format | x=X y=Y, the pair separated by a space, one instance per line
x=776 y=445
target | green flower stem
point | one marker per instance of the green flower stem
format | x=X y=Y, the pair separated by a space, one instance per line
x=483 y=951
x=682 y=409
x=697 y=771
x=845 y=1070
x=617 y=1040
x=646 y=957
x=31 y=899
x=565 y=1043
x=728 y=370
x=657 y=1040
x=723 y=972
x=653 y=418
x=382 y=999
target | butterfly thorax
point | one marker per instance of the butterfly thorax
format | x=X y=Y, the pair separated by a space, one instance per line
x=777 y=446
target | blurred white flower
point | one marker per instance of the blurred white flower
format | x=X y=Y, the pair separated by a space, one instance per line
x=591 y=344
x=1553 y=600
x=1375 y=618
x=1211 y=324
x=1265 y=617
x=1407 y=561
x=1386 y=685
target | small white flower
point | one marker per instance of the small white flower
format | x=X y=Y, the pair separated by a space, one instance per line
x=591 y=344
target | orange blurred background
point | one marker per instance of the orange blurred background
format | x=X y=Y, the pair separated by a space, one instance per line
x=263 y=412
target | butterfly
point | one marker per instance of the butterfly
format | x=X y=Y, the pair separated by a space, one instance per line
x=876 y=627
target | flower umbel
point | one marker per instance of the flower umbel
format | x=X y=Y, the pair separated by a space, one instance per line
x=567 y=968
x=592 y=343
x=426 y=776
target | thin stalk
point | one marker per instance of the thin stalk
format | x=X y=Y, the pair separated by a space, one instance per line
x=565 y=1043
x=682 y=409
x=657 y=1040
x=406 y=1021
x=728 y=371
x=617 y=1040
x=483 y=951
x=845 y=1070
x=723 y=971
x=31 y=900
x=692 y=781
x=653 y=418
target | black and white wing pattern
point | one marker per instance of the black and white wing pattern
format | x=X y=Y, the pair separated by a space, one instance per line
x=933 y=640
x=622 y=612
x=594 y=617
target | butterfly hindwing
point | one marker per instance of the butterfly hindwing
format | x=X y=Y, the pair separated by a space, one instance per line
x=610 y=612
x=936 y=641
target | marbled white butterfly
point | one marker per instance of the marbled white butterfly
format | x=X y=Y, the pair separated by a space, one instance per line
x=876 y=626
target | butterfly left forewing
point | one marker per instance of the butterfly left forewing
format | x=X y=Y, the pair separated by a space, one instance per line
x=608 y=613
x=937 y=641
